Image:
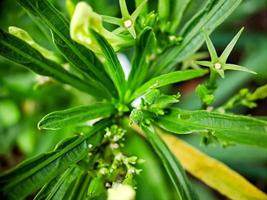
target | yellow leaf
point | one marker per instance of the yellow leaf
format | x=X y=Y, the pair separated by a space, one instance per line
x=212 y=172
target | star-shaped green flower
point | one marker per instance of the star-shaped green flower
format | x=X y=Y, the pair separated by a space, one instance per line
x=219 y=63
x=127 y=21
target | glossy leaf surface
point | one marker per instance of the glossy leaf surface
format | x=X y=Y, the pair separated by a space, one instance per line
x=226 y=127
x=211 y=15
x=82 y=59
x=74 y=116
x=167 y=79
x=31 y=174
x=112 y=64
x=172 y=166
x=22 y=53
x=144 y=49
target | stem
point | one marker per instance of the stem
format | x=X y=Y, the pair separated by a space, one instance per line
x=212 y=82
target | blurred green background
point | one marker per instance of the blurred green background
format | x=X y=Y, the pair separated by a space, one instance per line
x=25 y=98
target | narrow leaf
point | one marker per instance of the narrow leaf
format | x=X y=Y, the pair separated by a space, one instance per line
x=167 y=79
x=172 y=166
x=81 y=58
x=228 y=128
x=140 y=65
x=212 y=172
x=111 y=64
x=77 y=191
x=139 y=9
x=73 y=116
x=33 y=173
x=57 y=188
x=144 y=7
x=213 y=13
x=177 y=13
x=22 y=53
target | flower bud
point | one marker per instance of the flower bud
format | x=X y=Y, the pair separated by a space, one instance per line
x=121 y=192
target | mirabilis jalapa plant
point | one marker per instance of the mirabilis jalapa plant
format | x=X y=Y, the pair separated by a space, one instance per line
x=92 y=164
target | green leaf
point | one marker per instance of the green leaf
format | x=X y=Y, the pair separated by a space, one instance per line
x=213 y=13
x=140 y=65
x=172 y=166
x=177 y=13
x=57 y=188
x=167 y=79
x=82 y=59
x=33 y=173
x=22 y=53
x=145 y=8
x=79 y=187
x=111 y=64
x=225 y=127
x=77 y=115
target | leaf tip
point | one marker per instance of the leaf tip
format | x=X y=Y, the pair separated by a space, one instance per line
x=40 y=125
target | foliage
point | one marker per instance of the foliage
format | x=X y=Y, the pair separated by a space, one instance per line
x=96 y=161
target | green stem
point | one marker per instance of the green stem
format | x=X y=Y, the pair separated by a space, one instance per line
x=212 y=82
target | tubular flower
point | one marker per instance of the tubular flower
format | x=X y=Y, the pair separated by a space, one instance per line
x=84 y=20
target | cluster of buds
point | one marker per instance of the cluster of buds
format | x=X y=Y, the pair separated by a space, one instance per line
x=115 y=171
x=152 y=105
x=156 y=102
x=244 y=98
x=114 y=134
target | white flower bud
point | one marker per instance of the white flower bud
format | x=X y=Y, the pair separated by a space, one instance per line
x=121 y=192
